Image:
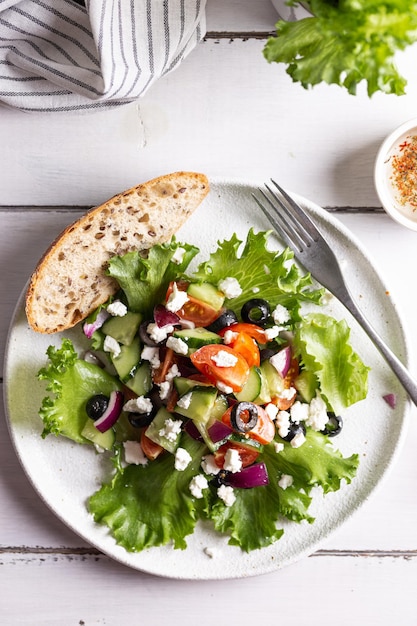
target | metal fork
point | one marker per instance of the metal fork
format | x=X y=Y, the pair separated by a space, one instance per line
x=315 y=255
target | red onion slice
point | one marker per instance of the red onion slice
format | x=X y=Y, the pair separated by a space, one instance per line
x=111 y=414
x=192 y=430
x=163 y=317
x=219 y=431
x=90 y=328
x=282 y=361
x=255 y=475
x=391 y=400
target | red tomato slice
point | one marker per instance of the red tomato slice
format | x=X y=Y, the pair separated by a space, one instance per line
x=167 y=362
x=196 y=311
x=264 y=431
x=150 y=449
x=248 y=454
x=247 y=347
x=235 y=376
x=254 y=331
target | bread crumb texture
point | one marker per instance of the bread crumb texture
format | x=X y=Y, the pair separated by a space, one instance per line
x=70 y=280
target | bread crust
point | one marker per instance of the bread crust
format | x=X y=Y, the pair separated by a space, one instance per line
x=70 y=279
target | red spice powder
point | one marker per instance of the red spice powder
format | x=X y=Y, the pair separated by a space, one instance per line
x=404 y=172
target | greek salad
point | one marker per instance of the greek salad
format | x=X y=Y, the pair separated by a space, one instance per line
x=213 y=394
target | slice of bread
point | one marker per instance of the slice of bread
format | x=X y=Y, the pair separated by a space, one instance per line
x=70 y=280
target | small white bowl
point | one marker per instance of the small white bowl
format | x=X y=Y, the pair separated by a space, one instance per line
x=390 y=159
x=290 y=14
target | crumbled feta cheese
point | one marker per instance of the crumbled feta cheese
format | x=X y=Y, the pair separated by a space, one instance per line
x=182 y=459
x=138 y=405
x=185 y=400
x=152 y=355
x=226 y=493
x=164 y=389
x=111 y=345
x=173 y=372
x=298 y=440
x=317 y=414
x=272 y=333
x=230 y=287
x=178 y=256
x=223 y=387
x=280 y=314
x=171 y=429
x=278 y=447
x=158 y=333
x=133 y=453
x=224 y=359
x=232 y=461
x=176 y=300
x=197 y=484
x=282 y=423
x=211 y=552
x=178 y=345
x=272 y=410
x=229 y=336
x=287 y=394
x=209 y=465
x=117 y=309
x=255 y=289
x=299 y=412
x=285 y=481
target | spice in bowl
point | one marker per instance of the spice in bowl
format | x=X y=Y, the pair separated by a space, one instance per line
x=404 y=172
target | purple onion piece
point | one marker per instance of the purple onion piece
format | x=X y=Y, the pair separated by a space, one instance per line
x=219 y=431
x=390 y=399
x=163 y=317
x=252 y=476
x=192 y=430
x=90 y=328
x=282 y=361
x=112 y=413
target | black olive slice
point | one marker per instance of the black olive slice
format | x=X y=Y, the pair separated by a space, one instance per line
x=256 y=311
x=96 y=406
x=333 y=426
x=244 y=416
x=226 y=318
x=139 y=420
x=294 y=430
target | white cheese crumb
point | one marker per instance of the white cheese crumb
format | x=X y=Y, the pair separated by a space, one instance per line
x=171 y=429
x=255 y=289
x=178 y=256
x=111 y=345
x=173 y=372
x=229 y=336
x=285 y=481
x=176 y=300
x=298 y=440
x=164 y=389
x=272 y=410
x=224 y=359
x=138 y=405
x=223 y=387
x=117 y=309
x=232 y=461
x=152 y=355
x=197 y=484
x=272 y=333
x=280 y=314
x=158 y=333
x=287 y=394
x=209 y=465
x=133 y=453
x=278 y=447
x=185 y=400
x=178 y=345
x=226 y=493
x=182 y=459
x=211 y=552
x=317 y=414
x=299 y=412
x=282 y=423
x=230 y=287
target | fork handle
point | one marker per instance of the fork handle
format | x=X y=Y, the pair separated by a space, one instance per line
x=399 y=369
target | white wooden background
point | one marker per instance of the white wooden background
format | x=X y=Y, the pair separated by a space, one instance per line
x=228 y=113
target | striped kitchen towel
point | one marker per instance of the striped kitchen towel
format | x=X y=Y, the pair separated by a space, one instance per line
x=63 y=55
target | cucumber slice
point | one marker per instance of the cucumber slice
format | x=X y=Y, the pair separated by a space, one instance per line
x=127 y=361
x=141 y=382
x=123 y=329
x=103 y=440
x=306 y=384
x=183 y=385
x=220 y=407
x=156 y=428
x=246 y=442
x=201 y=404
x=197 y=337
x=274 y=381
x=252 y=387
x=208 y=293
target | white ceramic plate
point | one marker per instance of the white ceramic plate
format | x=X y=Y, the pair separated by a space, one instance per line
x=65 y=474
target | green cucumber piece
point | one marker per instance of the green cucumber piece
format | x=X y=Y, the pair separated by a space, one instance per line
x=103 y=440
x=220 y=407
x=208 y=293
x=201 y=404
x=197 y=337
x=246 y=442
x=252 y=387
x=157 y=425
x=123 y=329
x=274 y=381
x=127 y=361
x=182 y=384
x=141 y=382
x=306 y=384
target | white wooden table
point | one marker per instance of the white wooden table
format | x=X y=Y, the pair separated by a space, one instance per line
x=228 y=113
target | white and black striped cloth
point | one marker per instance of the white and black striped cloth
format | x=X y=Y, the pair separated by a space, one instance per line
x=63 y=55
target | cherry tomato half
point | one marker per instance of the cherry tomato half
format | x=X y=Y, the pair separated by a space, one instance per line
x=234 y=376
x=196 y=311
x=264 y=431
x=150 y=449
x=247 y=453
x=247 y=347
x=254 y=331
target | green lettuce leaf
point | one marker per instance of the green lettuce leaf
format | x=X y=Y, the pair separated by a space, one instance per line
x=71 y=382
x=148 y=506
x=347 y=42
x=323 y=345
x=271 y=275
x=145 y=280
